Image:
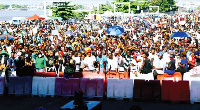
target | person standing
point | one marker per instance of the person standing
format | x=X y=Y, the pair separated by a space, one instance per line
x=5 y=65
x=40 y=63
x=70 y=67
x=19 y=63
x=11 y=63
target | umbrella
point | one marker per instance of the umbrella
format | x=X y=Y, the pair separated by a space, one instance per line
x=3 y=52
x=180 y=34
x=8 y=36
x=69 y=33
x=115 y=30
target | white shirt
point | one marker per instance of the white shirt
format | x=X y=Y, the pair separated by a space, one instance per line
x=77 y=60
x=140 y=58
x=132 y=68
x=120 y=68
x=166 y=57
x=89 y=61
x=161 y=64
x=113 y=63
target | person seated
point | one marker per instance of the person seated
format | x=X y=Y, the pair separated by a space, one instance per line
x=146 y=66
x=191 y=61
x=183 y=65
x=171 y=66
x=159 y=66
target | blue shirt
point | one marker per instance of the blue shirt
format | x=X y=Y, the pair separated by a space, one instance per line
x=184 y=61
x=101 y=60
x=11 y=62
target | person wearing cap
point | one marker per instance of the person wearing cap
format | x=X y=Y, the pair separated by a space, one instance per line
x=158 y=68
x=171 y=66
x=89 y=61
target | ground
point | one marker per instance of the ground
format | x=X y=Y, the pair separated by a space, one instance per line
x=31 y=103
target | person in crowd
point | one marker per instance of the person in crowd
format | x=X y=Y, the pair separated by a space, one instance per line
x=5 y=65
x=77 y=59
x=170 y=69
x=89 y=62
x=127 y=60
x=19 y=62
x=191 y=61
x=112 y=63
x=40 y=63
x=101 y=61
x=183 y=65
x=159 y=67
x=70 y=67
x=50 y=63
x=28 y=67
x=146 y=66
x=11 y=62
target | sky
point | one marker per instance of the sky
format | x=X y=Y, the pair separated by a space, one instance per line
x=82 y=2
x=36 y=2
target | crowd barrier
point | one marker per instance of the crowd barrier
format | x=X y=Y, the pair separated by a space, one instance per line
x=45 y=74
x=43 y=86
x=90 y=74
x=120 y=88
x=175 y=91
x=75 y=75
x=66 y=87
x=20 y=85
x=171 y=90
x=118 y=75
x=141 y=76
x=188 y=76
x=2 y=85
x=177 y=76
x=147 y=90
x=92 y=87
x=195 y=92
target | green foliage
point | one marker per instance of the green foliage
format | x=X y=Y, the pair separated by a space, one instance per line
x=2 y=6
x=80 y=14
x=164 y=5
x=18 y=6
x=65 y=11
x=105 y=7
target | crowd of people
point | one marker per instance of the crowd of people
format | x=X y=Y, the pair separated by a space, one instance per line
x=84 y=45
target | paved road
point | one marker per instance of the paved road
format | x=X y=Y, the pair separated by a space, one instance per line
x=24 y=103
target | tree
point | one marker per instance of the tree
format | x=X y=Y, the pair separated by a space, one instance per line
x=80 y=14
x=164 y=5
x=64 y=11
x=105 y=7
x=122 y=8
